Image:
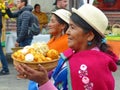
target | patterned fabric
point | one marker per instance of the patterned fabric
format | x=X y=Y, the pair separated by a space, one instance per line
x=60 y=74
x=85 y=68
x=83 y=74
x=33 y=85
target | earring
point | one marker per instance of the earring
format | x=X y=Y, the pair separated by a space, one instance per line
x=89 y=43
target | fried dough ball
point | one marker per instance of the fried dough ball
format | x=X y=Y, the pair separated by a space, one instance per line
x=53 y=54
x=29 y=57
x=48 y=59
x=19 y=55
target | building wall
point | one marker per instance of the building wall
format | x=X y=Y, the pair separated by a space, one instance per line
x=46 y=5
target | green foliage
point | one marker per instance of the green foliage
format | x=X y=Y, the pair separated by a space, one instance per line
x=96 y=2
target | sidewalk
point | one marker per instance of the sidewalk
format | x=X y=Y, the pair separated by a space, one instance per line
x=10 y=82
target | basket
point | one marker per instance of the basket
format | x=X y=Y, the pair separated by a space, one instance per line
x=48 y=65
x=16 y=48
x=116 y=29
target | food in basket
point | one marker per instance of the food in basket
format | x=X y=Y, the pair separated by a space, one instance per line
x=29 y=57
x=37 y=53
x=52 y=54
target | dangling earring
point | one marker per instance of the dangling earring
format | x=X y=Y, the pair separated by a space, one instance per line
x=89 y=43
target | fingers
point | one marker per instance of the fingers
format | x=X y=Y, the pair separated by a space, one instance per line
x=20 y=69
x=41 y=68
x=27 y=68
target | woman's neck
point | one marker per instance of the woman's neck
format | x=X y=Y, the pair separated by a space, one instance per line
x=58 y=35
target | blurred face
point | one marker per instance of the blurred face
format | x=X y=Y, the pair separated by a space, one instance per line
x=77 y=39
x=55 y=28
x=20 y=4
x=63 y=4
x=37 y=9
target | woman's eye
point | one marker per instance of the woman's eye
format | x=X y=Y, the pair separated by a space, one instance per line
x=71 y=27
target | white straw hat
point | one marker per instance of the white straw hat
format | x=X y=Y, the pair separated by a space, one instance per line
x=93 y=16
x=63 y=14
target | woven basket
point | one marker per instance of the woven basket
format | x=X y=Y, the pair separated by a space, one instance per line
x=48 y=65
x=116 y=29
x=16 y=48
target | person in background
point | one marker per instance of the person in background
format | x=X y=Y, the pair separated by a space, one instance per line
x=23 y=16
x=57 y=27
x=42 y=17
x=88 y=63
x=5 y=69
x=60 y=4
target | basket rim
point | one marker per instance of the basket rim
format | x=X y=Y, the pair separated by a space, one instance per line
x=16 y=48
x=25 y=62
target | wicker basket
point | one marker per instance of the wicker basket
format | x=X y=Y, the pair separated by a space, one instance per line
x=16 y=48
x=116 y=29
x=48 y=65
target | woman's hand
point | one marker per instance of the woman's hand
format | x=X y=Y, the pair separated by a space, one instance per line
x=40 y=76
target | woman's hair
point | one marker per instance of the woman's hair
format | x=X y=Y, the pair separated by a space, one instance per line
x=26 y=2
x=36 y=5
x=62 y=22
x=98 y=39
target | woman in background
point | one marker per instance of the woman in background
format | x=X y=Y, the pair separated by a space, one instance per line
x=58 y=26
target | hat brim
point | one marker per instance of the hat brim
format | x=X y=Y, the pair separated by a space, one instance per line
x=86 y=20
x=63 y=14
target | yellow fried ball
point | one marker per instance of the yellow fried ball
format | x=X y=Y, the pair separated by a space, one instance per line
x=53 y=54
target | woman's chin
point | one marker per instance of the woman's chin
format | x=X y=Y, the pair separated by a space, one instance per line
x=70 y=44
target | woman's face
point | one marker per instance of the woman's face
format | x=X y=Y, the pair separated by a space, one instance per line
x=37 y=9
x=54 y=26
x=77 y=39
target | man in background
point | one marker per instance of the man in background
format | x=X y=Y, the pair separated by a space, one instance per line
x=23 y=16
x=60 y=4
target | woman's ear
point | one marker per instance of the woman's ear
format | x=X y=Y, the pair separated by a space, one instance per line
x=91 y=36
x=63 y=26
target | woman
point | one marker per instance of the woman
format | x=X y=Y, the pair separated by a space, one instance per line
x=89 y=62
x=58 y=25
x=42 y=17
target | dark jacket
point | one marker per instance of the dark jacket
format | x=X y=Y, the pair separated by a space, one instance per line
x=23 y=22
x=0 y=22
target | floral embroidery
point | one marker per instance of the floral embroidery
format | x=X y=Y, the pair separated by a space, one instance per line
x=83 y=74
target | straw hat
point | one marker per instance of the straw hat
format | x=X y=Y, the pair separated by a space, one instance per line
x=63 y=14
x=93 y=16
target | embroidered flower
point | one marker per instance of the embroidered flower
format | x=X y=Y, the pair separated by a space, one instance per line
x=83 y=71
x=83 y=67
x=83 y=74
x=88 y=86
x=85 y=80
